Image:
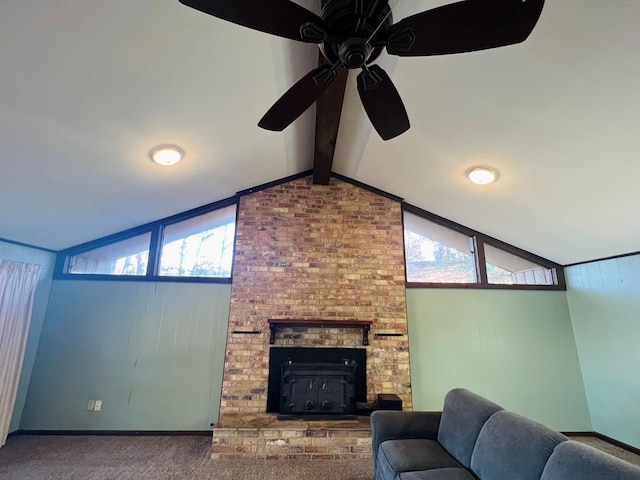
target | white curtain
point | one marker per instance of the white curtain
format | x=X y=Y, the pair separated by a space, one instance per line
x=17 y=287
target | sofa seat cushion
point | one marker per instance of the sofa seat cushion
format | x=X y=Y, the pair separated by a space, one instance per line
x=407 y=455
x=513 y=447
x=576 y=460
x=439 y=474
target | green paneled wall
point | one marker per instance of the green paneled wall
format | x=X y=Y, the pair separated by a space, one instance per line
x=19 y=253
x=604 y=298
x=515 y=347
x=152 y=352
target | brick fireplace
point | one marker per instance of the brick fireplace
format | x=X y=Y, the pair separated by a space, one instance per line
x=330 y=254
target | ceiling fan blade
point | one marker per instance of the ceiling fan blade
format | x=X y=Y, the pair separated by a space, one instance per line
x=464 y=27
x=297 y=99
x=277 y=17
x=382 y=103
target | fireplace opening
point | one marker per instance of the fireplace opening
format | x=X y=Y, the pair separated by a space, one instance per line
x=313 y=390
x=325 y=377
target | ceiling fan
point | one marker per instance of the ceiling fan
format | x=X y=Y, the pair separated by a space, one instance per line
x=353 y=33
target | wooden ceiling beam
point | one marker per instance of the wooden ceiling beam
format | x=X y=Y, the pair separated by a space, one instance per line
x=328 y=112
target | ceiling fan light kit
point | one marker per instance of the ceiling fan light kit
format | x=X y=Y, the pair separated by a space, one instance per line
x=353 y=33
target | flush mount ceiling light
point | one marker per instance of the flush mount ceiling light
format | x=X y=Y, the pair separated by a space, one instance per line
x=482 y=175
x=166 y=155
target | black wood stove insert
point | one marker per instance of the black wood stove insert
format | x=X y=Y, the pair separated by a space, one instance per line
x=312 y=389
x=316 y=383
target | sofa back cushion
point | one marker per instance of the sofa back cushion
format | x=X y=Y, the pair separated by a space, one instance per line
x=512 y=447
x=463 y=415
x=576 y=460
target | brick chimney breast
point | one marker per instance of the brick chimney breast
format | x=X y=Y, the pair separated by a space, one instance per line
x=307 y=251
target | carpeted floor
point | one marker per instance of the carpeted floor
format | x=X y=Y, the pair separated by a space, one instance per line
x=609 y=448
x=159 y=458
x=51 y=457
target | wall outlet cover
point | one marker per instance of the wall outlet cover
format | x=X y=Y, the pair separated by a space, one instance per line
x=90 y=405
x=98 y=405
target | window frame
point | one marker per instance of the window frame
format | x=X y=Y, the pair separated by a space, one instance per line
x=155 y=245
x=478 y=241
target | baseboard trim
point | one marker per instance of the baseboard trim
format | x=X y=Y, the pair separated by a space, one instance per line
x=617 y=443
x=121 y=433
x=613 y=441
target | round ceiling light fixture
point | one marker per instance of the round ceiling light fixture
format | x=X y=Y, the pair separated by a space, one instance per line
x=166 y=155
x=481 y=175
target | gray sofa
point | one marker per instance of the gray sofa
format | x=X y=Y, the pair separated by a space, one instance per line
x=473 y=438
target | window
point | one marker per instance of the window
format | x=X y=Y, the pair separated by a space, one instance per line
x=437 y=254
x=195 y=245
x=508 y=269
x=442 y=253
x=199 y=247
x=127 y=257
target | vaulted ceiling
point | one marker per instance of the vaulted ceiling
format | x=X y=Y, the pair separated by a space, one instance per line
x=88 y=88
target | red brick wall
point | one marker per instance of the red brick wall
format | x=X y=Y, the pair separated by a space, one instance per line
x=323 y=252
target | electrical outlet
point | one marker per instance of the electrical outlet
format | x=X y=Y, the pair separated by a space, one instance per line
x=97 y=406
x=90 y=405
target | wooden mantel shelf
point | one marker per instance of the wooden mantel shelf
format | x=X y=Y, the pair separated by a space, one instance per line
x=274 y=323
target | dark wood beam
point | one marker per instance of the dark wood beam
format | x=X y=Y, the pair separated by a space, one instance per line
x=328 y=111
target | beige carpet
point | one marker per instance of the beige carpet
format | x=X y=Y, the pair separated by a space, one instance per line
x=609 y=448
x=158 y=458
x=186 y=458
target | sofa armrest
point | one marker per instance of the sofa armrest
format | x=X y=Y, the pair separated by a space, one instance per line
x=395 y=425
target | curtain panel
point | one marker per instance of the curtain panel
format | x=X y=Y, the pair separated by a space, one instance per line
x=18 y=283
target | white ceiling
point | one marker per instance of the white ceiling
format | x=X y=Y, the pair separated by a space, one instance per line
x=88 y=88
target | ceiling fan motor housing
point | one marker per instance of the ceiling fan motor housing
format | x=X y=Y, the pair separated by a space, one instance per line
x=357 y=31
